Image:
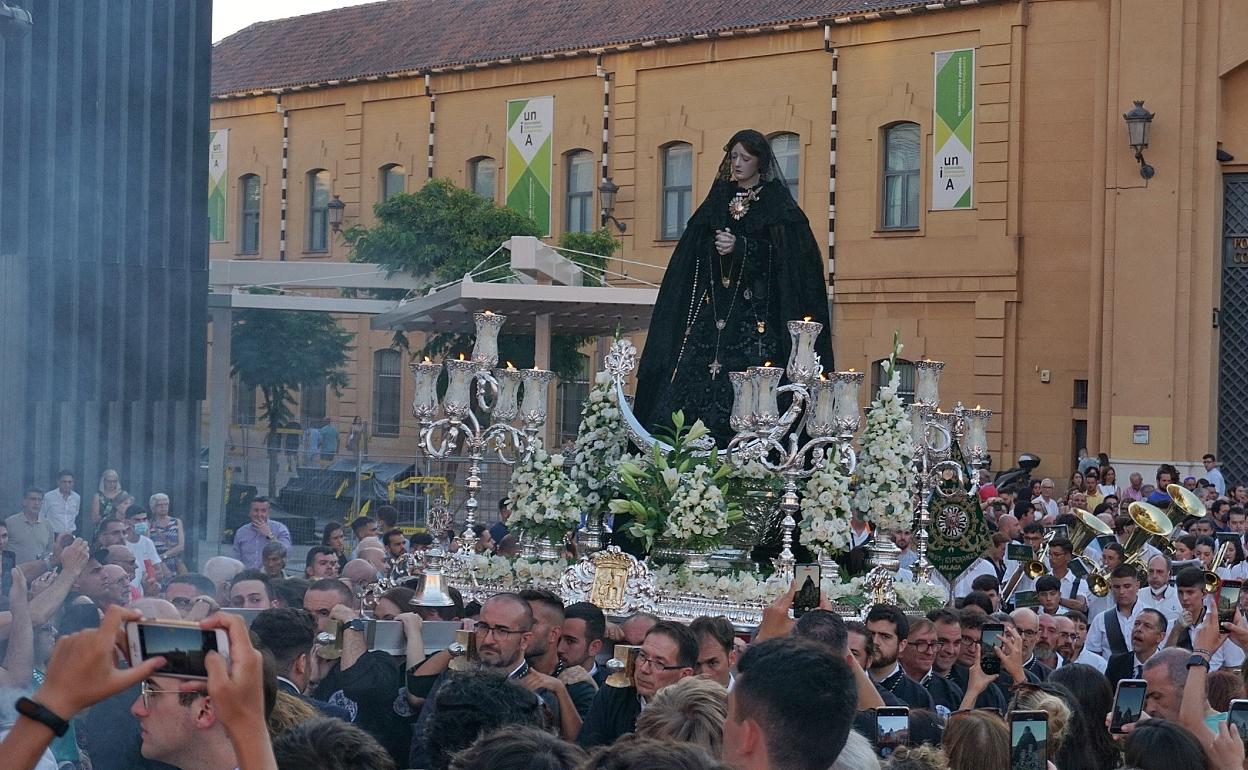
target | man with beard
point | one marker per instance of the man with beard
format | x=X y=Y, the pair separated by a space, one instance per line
x=1028 y=625
x=1070 y=644
x=584 y=626
x=917 y=659
x=890 y=629
x=1147 y=635
x=1045 y=650
x=542 y=656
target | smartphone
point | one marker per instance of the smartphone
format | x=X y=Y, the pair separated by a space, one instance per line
x=1025 y=599
x=892 y=729
x=1029 y=740
x=150 y=569
x=184 y=646
x=1128 y=703
x=1237 y=715
x=1228 y=600
x=989 y=642
x=807 y=596
x=1019 y=552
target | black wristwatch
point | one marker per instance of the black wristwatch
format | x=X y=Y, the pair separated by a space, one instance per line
x=1198 y=660
x=42 y=714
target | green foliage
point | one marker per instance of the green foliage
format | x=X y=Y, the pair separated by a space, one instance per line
x=277 y=351
x=441 y=232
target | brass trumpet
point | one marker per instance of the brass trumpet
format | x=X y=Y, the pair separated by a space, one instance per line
x=1087 y=528
x=1150 y=522
x=1212 y=581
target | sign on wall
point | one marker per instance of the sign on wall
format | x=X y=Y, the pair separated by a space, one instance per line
x=530 y=124
x=218 y=154
x=953 y=136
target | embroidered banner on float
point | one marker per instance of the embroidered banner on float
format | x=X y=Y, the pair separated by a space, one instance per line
x=530 y=124
x=953 y=135
x=218 y=154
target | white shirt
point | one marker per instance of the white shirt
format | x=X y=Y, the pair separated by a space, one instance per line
x=1049 y=508
x=59 y=511
x=1167 y=603
x=1088 y=658
x=144 y=549
x=1098 y=604
x=1214 y=477
x=1098 y=638
x=1068 y=581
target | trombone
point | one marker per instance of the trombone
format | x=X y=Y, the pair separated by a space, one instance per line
x=1212 y=580
x=1087 y=529
x=1032 y=569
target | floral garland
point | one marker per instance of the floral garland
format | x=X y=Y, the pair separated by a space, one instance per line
x=826 y=507
x=884 y=467
x=699 y=510
x=543 y=499
x=600 y=444
x=910 y=594
x=747 y=587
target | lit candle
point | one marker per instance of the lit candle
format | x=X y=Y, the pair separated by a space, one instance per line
x=456 y=401
x=536 y=383
x=767 y=379
x=485 y=350
x=822 y=407
x=845 y=390
x=976 y=435
x=426 y=401
x=743 y=397
x=508 y=393
x=927 y=387
x=804 y=365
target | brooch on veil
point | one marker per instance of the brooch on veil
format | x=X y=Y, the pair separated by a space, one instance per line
x=739 y=206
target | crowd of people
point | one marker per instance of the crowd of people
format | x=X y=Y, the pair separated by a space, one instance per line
x=304 y=687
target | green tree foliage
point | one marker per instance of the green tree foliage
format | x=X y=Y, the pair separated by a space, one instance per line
x=278 y=351
x=441 y=232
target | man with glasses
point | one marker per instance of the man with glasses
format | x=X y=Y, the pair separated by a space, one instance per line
x=30 y=537
x=668 y=654
x=183 y=729
x=890 y=630
x=1147 y=635
x=183 y=590
x=1028 y=625
x=996 y=695
x=917 y=659
x=1070 y=644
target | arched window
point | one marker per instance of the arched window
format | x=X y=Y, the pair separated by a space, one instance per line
x=249 y=215
x=318 y=210
x=677 y=189
x=393 y=180
x=787 y=149
x=387 y=392
x=482 y=173
x=580 y=191
x=904 y=368
x=900 y=208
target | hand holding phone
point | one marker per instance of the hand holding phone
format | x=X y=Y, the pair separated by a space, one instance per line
x=1029 y=740
x=183 y=645
x=1228 y=600
x=807 y=598
x=990 y=640
x=1128 y=704
x=892 y=729
x=1237 y=715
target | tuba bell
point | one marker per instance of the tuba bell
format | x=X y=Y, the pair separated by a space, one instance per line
x=1184 y=504
x=1087 y=528
x=1150 y=522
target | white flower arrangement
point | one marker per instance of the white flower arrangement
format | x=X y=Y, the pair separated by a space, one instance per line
x=883 y=495
x=544 y=501
x=910 y=594
x=744 y=587
x=699 y=511
x=601 y=442
x=826 y=507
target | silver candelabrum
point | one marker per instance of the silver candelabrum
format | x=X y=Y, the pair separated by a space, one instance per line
x=933 y=435
x=496 y=394
x=822 y=417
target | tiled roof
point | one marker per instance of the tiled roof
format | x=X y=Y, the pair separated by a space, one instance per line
x=405 y=36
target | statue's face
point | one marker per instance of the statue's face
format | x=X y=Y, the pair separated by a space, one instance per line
x=744 y=165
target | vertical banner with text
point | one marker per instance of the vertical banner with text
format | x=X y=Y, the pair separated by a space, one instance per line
x=218 y=154
x=530 y=128
x=953 y=135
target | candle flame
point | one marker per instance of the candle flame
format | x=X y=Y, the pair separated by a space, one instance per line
x=511 y=367
x=768 y=363
x=977 y=406
x=823 y=376
x=851 y=370
x=488 y=312
x=461 y=356
x=427 y=361
x=806 y=318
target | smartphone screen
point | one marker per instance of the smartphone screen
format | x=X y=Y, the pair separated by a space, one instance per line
x=1018 y=552
x=1228 y=600
x=1238 y=716
x=1128 y=703
x=807 y=596
x=1029 y=739
x=184 y=648
x=990 y=641
x=892 y=729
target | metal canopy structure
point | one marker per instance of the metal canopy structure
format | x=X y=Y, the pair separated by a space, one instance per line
x=550 y=287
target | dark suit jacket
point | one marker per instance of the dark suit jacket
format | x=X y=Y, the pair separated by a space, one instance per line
x=944 y=692
x=1041 y=671
x=997 y=694
x=1119 y=667
x=326 y=709
x=612 y=714
x=909 y=691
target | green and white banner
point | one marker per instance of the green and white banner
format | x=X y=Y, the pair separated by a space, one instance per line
x=218 y=159
x=530 y=129
x=953 y=137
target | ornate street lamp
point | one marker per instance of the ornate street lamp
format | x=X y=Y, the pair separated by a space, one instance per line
x=336 y=207
x=1139 y=120
x=606 y=196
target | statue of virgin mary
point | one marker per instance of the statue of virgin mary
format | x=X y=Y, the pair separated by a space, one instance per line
x=746 y=265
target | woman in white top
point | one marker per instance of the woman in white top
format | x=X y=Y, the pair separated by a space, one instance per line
x=1109 y=482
